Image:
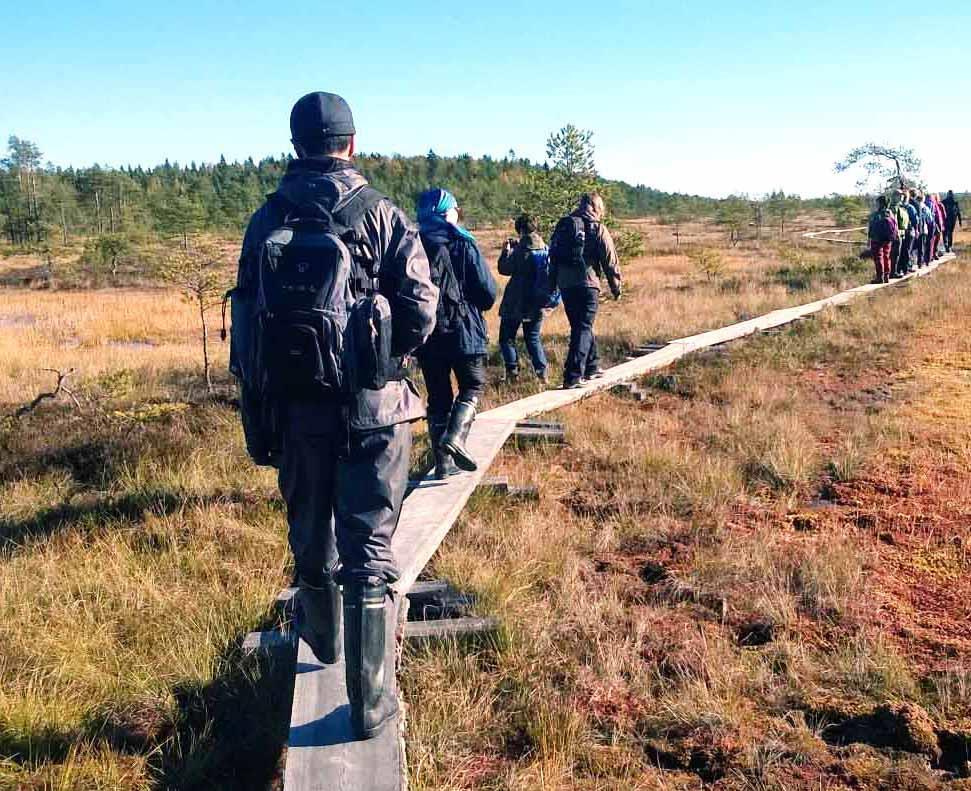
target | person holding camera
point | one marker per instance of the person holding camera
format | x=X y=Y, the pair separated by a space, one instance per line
x=529 y=295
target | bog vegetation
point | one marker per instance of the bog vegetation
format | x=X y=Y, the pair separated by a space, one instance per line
x=717 y=586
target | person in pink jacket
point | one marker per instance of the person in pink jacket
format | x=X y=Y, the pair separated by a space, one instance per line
x=940 y=216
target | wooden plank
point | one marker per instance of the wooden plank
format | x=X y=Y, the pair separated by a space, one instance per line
x=431 y=511
x=421 y=630
x=551 y=435
x=268 y=641
x=550 y=425
x=449 y=627
x=321 y=755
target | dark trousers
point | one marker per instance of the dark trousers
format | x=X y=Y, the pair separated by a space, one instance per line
x=922 y=249
x=343 y=491
x=469 y=370
x=581 y=304
x=532 y=335
x=895 y=247
x=905 y=258
x=949 y=233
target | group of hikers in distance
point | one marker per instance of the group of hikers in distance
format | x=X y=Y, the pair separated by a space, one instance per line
x=336 y=291
x=909 y=230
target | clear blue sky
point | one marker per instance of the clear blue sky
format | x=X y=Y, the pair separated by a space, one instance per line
x=707 y=97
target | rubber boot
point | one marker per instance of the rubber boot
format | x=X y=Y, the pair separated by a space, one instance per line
x=319 y=619
x=444 y=465
x=459 y=425
x=365 y=614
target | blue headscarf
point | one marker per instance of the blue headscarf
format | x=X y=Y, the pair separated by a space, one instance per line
x=433 y=205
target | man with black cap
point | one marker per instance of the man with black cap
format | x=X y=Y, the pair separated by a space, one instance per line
x=342 y=450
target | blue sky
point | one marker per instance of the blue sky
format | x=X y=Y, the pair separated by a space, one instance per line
x=703 y=97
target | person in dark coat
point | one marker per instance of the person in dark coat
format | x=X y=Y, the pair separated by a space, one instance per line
x=952 y=218
x=518 y=308
x=579 y=282
x=343 y=461
x=460 y=341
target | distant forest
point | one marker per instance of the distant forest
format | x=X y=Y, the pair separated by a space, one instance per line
x=40 y=203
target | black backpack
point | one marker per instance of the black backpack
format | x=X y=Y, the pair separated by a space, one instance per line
x=321 y=329
x=568 y=243
x=452 y=308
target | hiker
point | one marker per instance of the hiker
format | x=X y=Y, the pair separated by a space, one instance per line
x=461 y=339
x=934 y=231
x=527 y=298
x=326 y=250
x=952 y=211
x=881 y=233
x=898 y=248
x=908 y=248
x=929 y=228
x=581 y=252
x=940 y=216
x=919 y=230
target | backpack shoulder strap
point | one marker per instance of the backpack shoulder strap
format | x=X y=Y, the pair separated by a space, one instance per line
x=352 y=209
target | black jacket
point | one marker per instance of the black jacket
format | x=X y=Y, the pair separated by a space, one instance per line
x=516 y=266
x=404 y=277
x=478 y=291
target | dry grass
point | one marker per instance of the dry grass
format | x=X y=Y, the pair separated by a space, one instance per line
x=138 y=545
x=682 y=609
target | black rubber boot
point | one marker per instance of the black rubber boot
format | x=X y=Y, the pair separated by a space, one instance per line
x=365 y=614
x=319 y=619
x=444 y=465
x=459 y=425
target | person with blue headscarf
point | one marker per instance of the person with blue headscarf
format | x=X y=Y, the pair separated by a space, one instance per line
x=460 y=340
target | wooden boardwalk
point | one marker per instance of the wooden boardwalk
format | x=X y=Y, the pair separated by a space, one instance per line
x=321 y=754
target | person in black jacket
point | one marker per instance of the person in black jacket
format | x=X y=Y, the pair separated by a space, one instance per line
x=343 y=462
x=518 y=308
x=952 y=218
x=581 y=253
x=459 y=343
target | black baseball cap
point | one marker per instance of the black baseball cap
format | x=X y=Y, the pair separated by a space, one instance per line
x=320 y=114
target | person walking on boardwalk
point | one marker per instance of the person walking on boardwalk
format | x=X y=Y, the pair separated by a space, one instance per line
x=333 y=293
x=460 y=341
x=881 y=232
x=934 y=227
x=929 y=228
x=898 y=246
x=952 y=211
x=921 y=230
x=527 y=298
x=908 y=250
x=581 y=252
x=940 y=214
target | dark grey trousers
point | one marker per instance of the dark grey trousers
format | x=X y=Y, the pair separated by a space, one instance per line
x=343 y=490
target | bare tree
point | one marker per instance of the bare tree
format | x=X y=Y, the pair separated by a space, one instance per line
x=198 y=272
x=882 y=166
